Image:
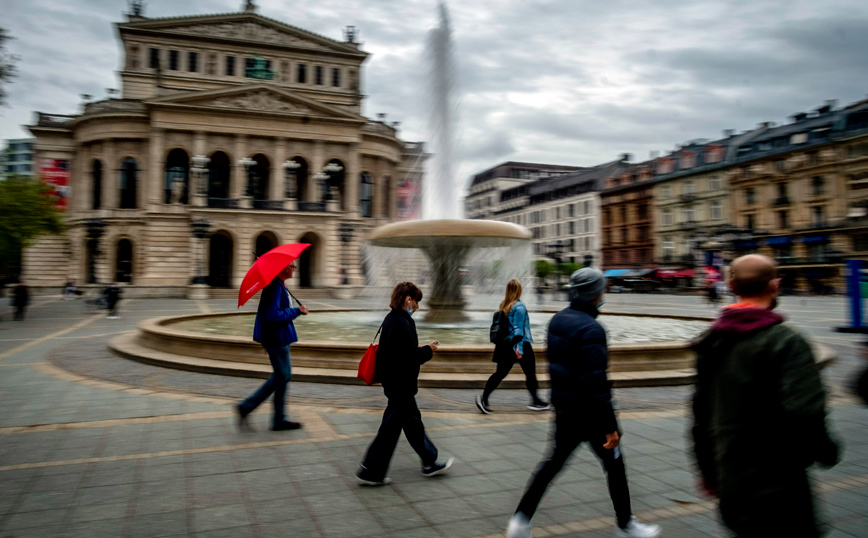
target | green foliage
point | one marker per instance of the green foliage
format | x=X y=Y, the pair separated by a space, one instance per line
x=544 y=268
x=566 y=269
x=27 y=211
x=7 y=65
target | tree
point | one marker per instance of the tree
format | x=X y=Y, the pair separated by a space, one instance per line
x=543 y=269
x=568 y=268
x=27 y=211
x=7 y=65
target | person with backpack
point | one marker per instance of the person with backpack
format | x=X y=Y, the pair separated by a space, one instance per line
x=510 y=334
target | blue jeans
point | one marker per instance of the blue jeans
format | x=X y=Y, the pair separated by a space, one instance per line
x=279 y=357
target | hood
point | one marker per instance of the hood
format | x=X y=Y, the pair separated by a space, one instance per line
x=740 y=320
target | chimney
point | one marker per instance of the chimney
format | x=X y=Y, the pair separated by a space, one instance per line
x=728 y=133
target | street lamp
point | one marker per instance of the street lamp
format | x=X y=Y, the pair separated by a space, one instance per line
x=248 y=164
x=346 y=234
x=200 y=228
x=290 y=167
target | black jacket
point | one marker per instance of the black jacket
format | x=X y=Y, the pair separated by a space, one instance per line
x=399 y=355
x=578 y=358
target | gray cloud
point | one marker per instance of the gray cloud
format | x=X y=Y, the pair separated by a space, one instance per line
x=561 y=81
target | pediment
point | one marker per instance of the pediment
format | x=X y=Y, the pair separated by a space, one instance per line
x=252 y=28
x=257 y=98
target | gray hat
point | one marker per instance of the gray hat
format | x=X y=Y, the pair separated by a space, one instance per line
x=586 y=284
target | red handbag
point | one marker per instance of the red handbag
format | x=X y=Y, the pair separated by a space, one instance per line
x=368 y=364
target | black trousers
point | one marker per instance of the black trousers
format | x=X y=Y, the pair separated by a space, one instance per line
x=569 y=434
x=506 y=359
x=401 y=414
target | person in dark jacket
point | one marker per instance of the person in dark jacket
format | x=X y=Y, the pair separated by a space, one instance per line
x=517 y=348
x=759 y=412
x=581 y=393
x=20 y=300
x=399 y=357
x=273 y=328
x=112 y=297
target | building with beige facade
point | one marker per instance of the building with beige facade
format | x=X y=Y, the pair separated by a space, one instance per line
x=484 y=193
x=232 y=134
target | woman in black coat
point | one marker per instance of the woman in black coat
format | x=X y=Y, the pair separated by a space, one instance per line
x=399 y=357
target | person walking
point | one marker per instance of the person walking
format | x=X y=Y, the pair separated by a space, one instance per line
x=517 y=348
x=399 y=357
x=581 y=393
x=273 y=328
x=112 y=297
x=20 y=300
x=759 y=412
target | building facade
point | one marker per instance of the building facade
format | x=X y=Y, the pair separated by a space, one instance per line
x=626 y=210
x=233 y=133
x=483 y=196
x=17 y=158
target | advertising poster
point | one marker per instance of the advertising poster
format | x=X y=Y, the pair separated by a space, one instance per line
x=55 y=172
x=409 y=205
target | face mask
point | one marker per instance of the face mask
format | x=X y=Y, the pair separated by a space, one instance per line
x=410 y=311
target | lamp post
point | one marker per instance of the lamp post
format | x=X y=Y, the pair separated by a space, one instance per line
x=95 y=227
x=247 y=164
x=290 y=167
x=200 y=228
x=346 y=234
x=200 y=176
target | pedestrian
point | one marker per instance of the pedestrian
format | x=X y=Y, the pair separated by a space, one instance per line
x=112 y=297
x=759 y=411
x=20 y=300
x=581 y=393
x=517 y=348
x=399 y=357
x=274 y=329
x=69 y=291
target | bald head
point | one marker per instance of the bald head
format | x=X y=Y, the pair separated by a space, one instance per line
x=752 y=276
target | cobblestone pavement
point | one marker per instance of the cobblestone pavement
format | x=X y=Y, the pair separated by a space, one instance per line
x=93 y=445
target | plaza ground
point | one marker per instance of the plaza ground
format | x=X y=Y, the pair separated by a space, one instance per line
x=94 y=445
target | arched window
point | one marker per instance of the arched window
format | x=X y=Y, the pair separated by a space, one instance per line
x=258 y=175
x=300 y=177
x=96 y=185
x=129 y=178
x=218 y=178
x=366 y=195
x=124 y=261
x=177 y=176
x=336 y=179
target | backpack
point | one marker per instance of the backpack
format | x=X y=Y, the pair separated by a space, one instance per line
x=499 y=332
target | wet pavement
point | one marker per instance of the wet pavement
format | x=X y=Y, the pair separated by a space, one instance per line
x=94 y=445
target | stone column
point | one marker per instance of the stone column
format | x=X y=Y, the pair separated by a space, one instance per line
x=198 y=183
x=238 y=179
x=277 y=185
x=379 y=191
x=155 y=167
x=352 y=177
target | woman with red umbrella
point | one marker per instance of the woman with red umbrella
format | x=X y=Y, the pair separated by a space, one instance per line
x=273 y=329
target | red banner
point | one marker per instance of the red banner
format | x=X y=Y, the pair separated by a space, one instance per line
x=55 y=172
x=408 y=199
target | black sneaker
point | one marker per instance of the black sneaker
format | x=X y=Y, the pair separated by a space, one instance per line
x=540 y=406
x=439 y=467
x=285 y=425
x=480 y=403
x=363 y=476
x=243 y=423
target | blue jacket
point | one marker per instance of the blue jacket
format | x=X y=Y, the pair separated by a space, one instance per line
x=578 y=358
x=273 y=326
x=519 y=324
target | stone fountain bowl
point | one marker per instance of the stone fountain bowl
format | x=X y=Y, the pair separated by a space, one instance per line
x=160 y=341
x=455 y=232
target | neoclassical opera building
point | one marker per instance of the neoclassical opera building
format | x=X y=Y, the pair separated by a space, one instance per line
x=233 y=133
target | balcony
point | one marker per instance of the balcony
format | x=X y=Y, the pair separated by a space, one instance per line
x=223 y=203
x=53 y=120
x=312 y=206
x=782 y=200
x=688 y=197
x=272 y=205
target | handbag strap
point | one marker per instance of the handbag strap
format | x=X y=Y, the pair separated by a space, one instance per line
x=378 y=334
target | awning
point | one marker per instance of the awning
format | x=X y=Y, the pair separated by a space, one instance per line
x=675 y=273
x=711 y=272
x=615 y=272
x=820 y=238
x=782 y=240
x=639 y=273
x=744 y=244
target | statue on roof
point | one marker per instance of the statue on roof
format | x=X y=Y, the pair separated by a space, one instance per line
x=250 y=7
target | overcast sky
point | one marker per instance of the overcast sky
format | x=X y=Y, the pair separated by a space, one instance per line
x=573 y=82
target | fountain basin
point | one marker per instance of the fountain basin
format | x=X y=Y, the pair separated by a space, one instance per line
x=161 y=341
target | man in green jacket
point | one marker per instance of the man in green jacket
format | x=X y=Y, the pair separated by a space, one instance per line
x=759 y=412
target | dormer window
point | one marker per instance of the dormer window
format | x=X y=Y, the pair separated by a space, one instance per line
x=688 y=159
x=714 y=154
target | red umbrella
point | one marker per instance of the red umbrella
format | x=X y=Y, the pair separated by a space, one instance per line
x=266 y=267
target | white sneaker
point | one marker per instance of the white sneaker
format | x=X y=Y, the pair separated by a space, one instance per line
x=519 y=527
x=634 y=529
